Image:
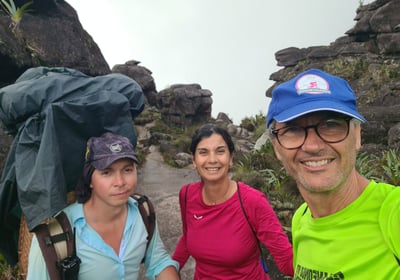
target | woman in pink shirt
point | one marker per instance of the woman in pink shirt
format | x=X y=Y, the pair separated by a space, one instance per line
x=216 y=232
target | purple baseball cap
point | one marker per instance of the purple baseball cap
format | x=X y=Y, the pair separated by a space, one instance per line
x=312 y=91
x=102 y=151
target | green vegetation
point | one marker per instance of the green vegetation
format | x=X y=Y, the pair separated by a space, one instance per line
x=8 y=272
x=15 y=12
x=259 y=169
x=390 y=163
x=254 y=124
x=383 y=168
x=147 y=116
x=172 y=139
x=364 y=162
x=346 y=67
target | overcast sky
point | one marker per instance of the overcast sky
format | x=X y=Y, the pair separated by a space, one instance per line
x=226 y=46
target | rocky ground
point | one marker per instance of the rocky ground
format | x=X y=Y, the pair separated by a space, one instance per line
x=161 y=183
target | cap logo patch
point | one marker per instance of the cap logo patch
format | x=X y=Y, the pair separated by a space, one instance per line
x=115 y=147
x=312 y=84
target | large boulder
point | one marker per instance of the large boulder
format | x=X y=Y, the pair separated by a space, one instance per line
x=184 y=104
x=142 y=76
x=51 y=35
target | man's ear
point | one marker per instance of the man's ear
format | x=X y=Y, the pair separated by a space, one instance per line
x=358 y=136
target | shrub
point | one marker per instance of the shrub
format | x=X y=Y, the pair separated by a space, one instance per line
x=8 y=272
x=15 y=12
x=391 y=166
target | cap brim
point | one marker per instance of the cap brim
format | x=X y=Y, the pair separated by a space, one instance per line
x=316 y=106
x=104 y=163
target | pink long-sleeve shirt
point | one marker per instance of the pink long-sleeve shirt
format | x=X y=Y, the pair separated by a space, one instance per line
x=221 y=241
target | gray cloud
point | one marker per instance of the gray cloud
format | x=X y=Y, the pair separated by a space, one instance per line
x=227 y=46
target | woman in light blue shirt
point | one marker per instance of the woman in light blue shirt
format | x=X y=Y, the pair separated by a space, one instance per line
x=111 y=237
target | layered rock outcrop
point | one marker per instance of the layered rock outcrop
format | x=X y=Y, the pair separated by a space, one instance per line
x=180 y=104
x=184 y=104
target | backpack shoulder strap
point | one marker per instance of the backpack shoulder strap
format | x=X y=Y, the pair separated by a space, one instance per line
x=184 y=218
x=244 y=211
x=263 y=262
x=148 y=214
x=56 y=241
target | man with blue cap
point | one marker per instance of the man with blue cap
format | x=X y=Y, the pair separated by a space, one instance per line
x=349 y=226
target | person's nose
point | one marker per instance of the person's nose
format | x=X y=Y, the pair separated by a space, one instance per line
x=119 y=180
x=212 y=157
x=312 y=143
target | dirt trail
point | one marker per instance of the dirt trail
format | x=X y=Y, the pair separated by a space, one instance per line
x=161 y=183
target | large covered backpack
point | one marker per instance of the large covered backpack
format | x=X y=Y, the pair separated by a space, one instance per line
x=57 y=240
x=51 y=113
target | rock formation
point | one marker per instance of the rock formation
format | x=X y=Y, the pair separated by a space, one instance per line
x=184 y=104
x=49 y=35
x=180 y=104
x=142 y=76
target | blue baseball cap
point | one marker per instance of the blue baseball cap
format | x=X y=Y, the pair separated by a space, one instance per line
x=312 y=91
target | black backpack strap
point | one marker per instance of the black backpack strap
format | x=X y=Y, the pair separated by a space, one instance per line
x=62 y=237
x=263 y=263
x=68 y=234
x=244 y=211
x=148 y=214
x=185 y=207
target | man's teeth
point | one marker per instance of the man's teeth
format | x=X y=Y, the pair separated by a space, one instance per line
x=212 y=169
x=316 y=163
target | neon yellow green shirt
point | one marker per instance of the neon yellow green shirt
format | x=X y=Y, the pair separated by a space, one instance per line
x=350 y=244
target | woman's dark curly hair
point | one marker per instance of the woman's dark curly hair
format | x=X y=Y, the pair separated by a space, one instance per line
x=83 y=189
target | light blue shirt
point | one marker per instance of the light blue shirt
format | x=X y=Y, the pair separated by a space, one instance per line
x=99 y=260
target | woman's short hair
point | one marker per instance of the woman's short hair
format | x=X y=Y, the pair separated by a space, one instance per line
x=206 y=131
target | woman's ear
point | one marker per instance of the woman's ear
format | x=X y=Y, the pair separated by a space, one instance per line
x=193 y=163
